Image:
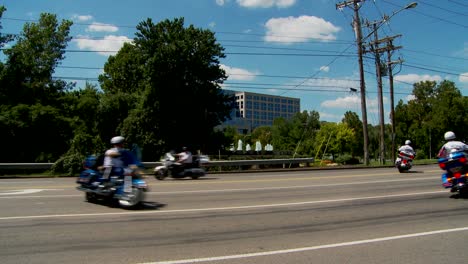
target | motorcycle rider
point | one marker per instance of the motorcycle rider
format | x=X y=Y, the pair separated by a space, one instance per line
x=407 y=148
x=184 y=159
x=452 y=145
x=117 y=159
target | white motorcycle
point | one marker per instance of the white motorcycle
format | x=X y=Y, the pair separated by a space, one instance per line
x=170 y=168
x=404 y=161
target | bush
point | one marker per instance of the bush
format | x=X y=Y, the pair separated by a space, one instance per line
x=70 y=164
x=346 y=159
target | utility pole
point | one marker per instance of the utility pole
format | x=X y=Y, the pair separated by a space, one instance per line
x=357 y=29
x=390 y=63
x=374 y=48
x=377 y=51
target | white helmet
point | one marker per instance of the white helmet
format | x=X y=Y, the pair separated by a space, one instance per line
x=449 y=135
x=408 y=142
x=117 y=140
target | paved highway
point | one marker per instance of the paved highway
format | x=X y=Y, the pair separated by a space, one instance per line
x=321 y=216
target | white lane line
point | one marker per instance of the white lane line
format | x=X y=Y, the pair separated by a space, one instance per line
x=303 y=249
x=259 y=206
x=26 y=191
x=241 y=189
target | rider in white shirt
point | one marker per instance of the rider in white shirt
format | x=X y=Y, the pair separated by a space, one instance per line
x=184 y=157
x=446 y=149
x=407 y=148
x=451 y=145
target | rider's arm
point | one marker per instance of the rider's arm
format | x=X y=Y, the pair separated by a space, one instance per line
x=442 y=152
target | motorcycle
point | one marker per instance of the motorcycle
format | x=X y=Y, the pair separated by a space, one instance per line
x=127 y=186
x=176 y=170
x=455 y=177
x=404 y=161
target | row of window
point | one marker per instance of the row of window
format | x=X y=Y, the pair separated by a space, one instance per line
x=266 y=115
x=277 y=100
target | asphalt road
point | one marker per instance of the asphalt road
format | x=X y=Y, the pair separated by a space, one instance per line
x=333 y=216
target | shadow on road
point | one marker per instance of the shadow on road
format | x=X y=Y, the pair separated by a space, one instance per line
x=458 y=196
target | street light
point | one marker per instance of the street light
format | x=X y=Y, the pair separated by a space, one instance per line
x=387 y=18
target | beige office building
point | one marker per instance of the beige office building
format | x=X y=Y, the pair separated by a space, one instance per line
x=261 y=109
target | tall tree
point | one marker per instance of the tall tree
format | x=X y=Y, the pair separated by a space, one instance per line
x=351 y=119
x=33 y=118
x=334 y=138
x=176 y=72
x=31 y=61
x=435 y=109
x=4 y=38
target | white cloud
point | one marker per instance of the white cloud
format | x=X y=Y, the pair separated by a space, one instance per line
x=414 y=78
x=325 y=68
x=238 y=73
x=82 y=18
x=341 y=83
x=463 y=77
x=107 y=46
x=353 y=102
x=221 y=2
x=330 y=117
x=299 y=29
x=101 y=27
x=342 y=102
x=212 y=24
x=266 y=3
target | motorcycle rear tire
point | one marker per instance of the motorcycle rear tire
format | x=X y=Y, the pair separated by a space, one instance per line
x=90 y=197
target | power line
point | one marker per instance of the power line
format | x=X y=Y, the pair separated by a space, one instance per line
x=427 y=69
x=441 y=8
x=436 y=55
x=431 y=16
x=458 y=3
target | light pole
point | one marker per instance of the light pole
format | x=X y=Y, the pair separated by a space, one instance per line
x=386 y=18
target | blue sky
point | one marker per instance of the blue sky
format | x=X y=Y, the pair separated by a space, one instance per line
x=296 y=48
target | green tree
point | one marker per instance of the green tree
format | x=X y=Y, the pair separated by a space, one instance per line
x=296 y=135
x=32 y=114
x=262 y=134
x=31 y=61
x=3 y=38
x=176 y=74
x=334 y=138
x=351 y=119
x=435 y=109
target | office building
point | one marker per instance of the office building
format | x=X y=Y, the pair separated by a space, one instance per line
x=254 y=109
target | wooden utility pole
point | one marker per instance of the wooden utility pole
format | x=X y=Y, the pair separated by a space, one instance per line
x=357 y=29
x=389 y=48
x=374 y=48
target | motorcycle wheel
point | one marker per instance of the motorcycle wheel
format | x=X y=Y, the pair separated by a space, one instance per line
x=135 y=198
x=90 y=197
x=160 y=175
x=463 y=192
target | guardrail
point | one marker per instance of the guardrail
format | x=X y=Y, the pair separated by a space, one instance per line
x=148 y=165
